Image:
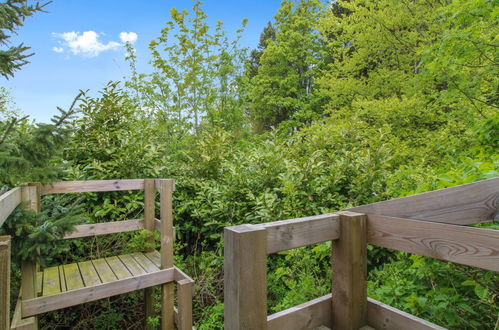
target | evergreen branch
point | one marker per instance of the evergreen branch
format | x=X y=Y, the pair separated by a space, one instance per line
x=10 y=127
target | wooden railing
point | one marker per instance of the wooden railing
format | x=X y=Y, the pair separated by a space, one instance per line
x=160 y=269
x=8 y=202
x=429 y=224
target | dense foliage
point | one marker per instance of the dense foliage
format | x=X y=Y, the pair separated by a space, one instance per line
x=341 y=104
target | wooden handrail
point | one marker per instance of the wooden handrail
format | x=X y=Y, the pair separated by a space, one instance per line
x=460 y=205
x=476 y=247
x=97 y=229
x=428 y=224
x=92 y=186
x=291 y=234
x=8 y=202
x=64 y=187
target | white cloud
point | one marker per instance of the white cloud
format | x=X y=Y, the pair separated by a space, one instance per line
x=130 y=37
x=87 y=44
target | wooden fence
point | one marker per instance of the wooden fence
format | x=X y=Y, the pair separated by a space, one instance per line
x=47 y=290
x=429 y=224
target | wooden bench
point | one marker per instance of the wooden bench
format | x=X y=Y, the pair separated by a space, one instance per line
x=72 y=284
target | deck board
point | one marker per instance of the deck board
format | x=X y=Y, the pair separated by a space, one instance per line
x=155 y=257
x=147 y=264
x=58 y=279
x=62 y=278
x=132 y=265
x=89 y=274
x=51 y=283
x=105 y=272
x=118 y=268
x=73 y=276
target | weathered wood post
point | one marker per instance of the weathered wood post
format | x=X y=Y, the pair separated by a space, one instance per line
x=349 y=262
x=4 y=282
x=166 y=233
x=149 y=215
x=30 y=194
x=245 y=277
x=184 y=292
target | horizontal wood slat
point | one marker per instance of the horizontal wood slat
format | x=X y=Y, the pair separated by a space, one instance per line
x=477 y=247
x=8 y=202
x=92 y=186
x=317 y=312
x=461 y=205
x=309 y=315
x=50 y=281
x=19 y=323
x=35 y=306
x=384 y=317
x=294 y=233
x=118 y=268
x=104 y=271
x=96 y=229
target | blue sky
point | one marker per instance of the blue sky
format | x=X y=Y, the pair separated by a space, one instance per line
x=67 y=60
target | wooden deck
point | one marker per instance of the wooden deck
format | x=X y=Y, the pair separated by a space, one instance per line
x=57 y=279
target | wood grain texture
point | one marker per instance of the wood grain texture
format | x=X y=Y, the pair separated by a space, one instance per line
x=96 y=229
x=88 y=273
x=18 y=323
x=73 y=277
x=144 y=262
x=105 y=272
x=155 y=257
x=8 y=202
x=149 y=224
x=30 y=195
x=5 y=282
x=51 y=282
x=349 y=262
x=92 y=186
x=309 y=315
x=384 y=317
x=476 y=247
x=118 y=268
x=291 y=234
x=158 y=183
x=245 y=277
x=40 y=305
x=180 y=275
x=461 y=205
x=132 y=265
x=166 y=253
x=149 y=208
x=184 y=292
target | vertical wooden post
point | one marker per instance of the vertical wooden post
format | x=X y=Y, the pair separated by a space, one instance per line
x=166 y=253
x=245 y=277
x=184 y=292
x=149 y=215
x=4 y=282
x=30 y=194
x=349 y=264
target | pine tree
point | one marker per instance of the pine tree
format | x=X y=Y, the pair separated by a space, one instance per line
x=283 y=88
x=12 y=16
x=267 y=34
x=27 y=150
